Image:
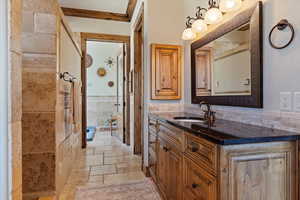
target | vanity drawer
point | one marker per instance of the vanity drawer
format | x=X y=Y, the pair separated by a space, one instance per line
x=203 y=152
x=172 y=135
x=197 y=182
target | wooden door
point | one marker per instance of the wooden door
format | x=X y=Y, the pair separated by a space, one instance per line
x=198 y=183
x=258 y=171
x=139 y=88
x=174 y=175
x=162 y=167
x=203 y=72
x=166 y=72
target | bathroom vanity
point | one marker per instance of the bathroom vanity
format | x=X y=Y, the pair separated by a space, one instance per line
x=229 y=161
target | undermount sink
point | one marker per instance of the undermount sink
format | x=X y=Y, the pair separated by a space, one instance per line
x=189 y=119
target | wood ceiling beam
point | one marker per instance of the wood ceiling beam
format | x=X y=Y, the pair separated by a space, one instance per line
x=105 y=37
x=96 y=14
x=130 y=8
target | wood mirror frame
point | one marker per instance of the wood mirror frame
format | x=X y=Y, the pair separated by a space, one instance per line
x=252 y=15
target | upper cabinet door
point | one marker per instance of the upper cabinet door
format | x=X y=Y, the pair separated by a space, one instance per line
x=166 y=72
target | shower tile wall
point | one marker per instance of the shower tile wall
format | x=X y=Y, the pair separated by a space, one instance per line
x=39 y=98
x=15 y=97
x=50 y=136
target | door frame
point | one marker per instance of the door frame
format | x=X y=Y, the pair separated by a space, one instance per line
x=5 y=166
x=99 y=37
x=139 y=85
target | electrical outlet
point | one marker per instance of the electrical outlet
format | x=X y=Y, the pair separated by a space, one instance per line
x=297 y=101
x=285 y=101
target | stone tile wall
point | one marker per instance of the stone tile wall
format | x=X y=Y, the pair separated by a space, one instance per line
x=100 y=110
x=15 y=96
x=68 y=118
x=51 y=125
x=39 y=97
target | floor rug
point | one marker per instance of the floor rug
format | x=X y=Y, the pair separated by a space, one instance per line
x=142 y=190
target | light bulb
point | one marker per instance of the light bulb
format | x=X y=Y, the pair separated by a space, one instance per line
x=230 y=5
x=213 y=16
x=199 y=26
x=188 y=34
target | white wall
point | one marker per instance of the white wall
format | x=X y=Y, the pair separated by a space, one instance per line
x=163 y=23
x=100 y=51
x=78 y=24
x=281 y=67
x=4 y=160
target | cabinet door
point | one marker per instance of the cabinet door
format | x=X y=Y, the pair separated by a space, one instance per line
x=162 y=167
x=175 y=175
x=166 y=72
x=197 y=182
x=258 y=171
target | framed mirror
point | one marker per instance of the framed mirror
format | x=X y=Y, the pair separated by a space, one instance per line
x=227 y=66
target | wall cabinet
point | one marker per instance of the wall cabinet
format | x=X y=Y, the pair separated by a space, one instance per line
x=193 y=168
x=166 y=72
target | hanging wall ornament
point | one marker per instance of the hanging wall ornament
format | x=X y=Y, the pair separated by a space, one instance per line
x=101 y=72
x=111 y=83
x=109 y=62
x=88 y=61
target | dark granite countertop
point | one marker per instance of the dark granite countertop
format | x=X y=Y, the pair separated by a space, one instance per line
x=227 y=132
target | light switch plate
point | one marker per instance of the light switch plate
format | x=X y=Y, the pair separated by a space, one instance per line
x=297 y=101
x=285 y=101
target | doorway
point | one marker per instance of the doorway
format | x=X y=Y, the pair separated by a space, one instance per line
x=105 y=105
x=139 y=85
x=106 y=60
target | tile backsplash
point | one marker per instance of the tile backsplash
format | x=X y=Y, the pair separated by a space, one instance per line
x=289 y=121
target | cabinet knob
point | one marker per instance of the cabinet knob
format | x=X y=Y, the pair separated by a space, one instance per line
x=194 y=149
x=165 y=149
x=194 y=185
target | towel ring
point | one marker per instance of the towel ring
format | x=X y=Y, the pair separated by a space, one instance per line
x=283 y=24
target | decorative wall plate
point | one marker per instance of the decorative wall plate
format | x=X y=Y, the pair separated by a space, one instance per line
x=88 y=60
x=111 y=83
x=109 y=62
x=101 y=72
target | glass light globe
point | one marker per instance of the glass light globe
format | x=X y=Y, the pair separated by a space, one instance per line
x=230 y=5
x=188 y=34
x=199 y=26
x=213 y=16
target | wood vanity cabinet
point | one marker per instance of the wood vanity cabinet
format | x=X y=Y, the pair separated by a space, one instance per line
x=166 y=72
x=192 y=168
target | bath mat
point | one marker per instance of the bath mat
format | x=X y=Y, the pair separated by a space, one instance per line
x=142 y=190
x=90 y=133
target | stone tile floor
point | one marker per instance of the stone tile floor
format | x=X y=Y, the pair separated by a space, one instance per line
x=105 y=161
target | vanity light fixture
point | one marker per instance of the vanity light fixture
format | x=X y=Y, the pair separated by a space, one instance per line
x=188 y=33
x=213 y=14
x=230 y=5
x=199 y=25
x=194 y=25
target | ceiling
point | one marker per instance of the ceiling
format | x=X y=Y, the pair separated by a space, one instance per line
x=115 y=6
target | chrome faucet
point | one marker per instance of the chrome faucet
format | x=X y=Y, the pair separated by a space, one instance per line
x=209 y=115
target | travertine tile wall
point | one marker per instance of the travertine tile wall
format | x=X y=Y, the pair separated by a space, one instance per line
x=68 y=126
x=39 y=97
x=15 y=96
x=51 y=137
x=100 y=110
